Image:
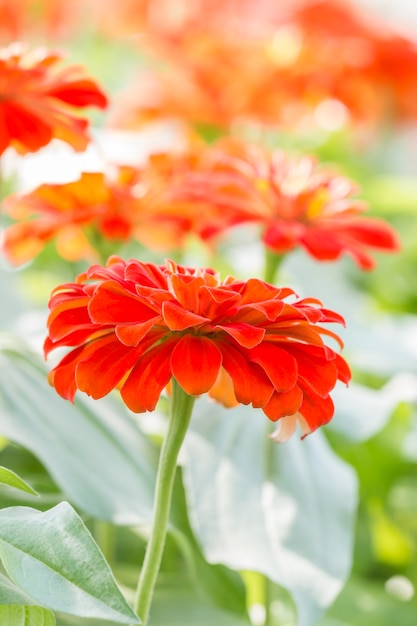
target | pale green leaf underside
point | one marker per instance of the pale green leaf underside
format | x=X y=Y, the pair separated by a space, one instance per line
x=94 y=450
x=286 y=511
x=52 y=557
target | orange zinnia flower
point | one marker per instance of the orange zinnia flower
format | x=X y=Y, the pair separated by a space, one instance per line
x=319 y=62
x=135 y=325
x=130 y=203
x=72 y=214
x=39 y=19
x=296 y=202
x=37 y=101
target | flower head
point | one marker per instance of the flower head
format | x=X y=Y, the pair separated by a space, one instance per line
x=135 y=325
x=49 y=19
x=297 y=202
x=95 y=205
x=37 y=101
x=146 y=204
x=318 y=62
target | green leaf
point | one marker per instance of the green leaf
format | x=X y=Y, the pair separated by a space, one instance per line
x=286 y=511
x=8 y=477
x=222 y=587
x=175 y=603
x=10 y=594
x=392 y=194
x=374 y=341
x=94 y=450
x=15 y=615
x=52 y=557
x=362 y=412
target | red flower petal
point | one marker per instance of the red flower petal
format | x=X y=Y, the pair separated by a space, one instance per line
x=132 y=334
x=178 y=318
x=314 y=367
x=148 y=378
x=279 y=365
x=67 y=317
x=112 y=303
x=316 y=410
x=283 y=404
x=105 y=366
x=246 y=335
x=250 y=383
x=195 y=363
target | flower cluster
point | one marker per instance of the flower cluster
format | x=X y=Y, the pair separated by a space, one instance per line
x=37 y=101
x=205 y=192
x=104 y=205
x=296 y=202
x=148 y=204
x=319 y=61
x=134 y=325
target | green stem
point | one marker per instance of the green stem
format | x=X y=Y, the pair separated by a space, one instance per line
x=180 y=415
x=105 y=538
x=272 y=264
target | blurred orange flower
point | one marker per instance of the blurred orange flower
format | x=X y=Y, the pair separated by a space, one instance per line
x=128 y=204
x=73 y=214
x=38 y=101
x=135 y=325
x=321 y=62
x=296 y=202
x=34 y=19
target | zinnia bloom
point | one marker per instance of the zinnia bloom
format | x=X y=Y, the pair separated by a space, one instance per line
x=319 y=62
x=135 y=325
x=46 y=18
x=99 y=210
x=296 y=202
x=38 y=101
x=76 y=214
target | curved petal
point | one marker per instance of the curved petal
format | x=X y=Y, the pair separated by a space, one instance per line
x=112 y=303
x=62 y=377
x=148 y=378
x=222 y=390
x=132 y=334
x=178 y=318
x=314 y=367
x=316 y=411
x=69 y=316
x=251 y=384
x=195 y=363
x=105 y=367
x=283 y=404
x=246 y=335
x=280 y=366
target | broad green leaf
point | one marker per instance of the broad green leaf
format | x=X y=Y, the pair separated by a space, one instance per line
x=10 y=594
x=362 y=412
x=286 y=511
x=217 y=584
x=94 y=450
x=374 y=342
x=12 y=302
x=14 y=615
x=52 y=557
x=7 y=477
x=176 y=603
